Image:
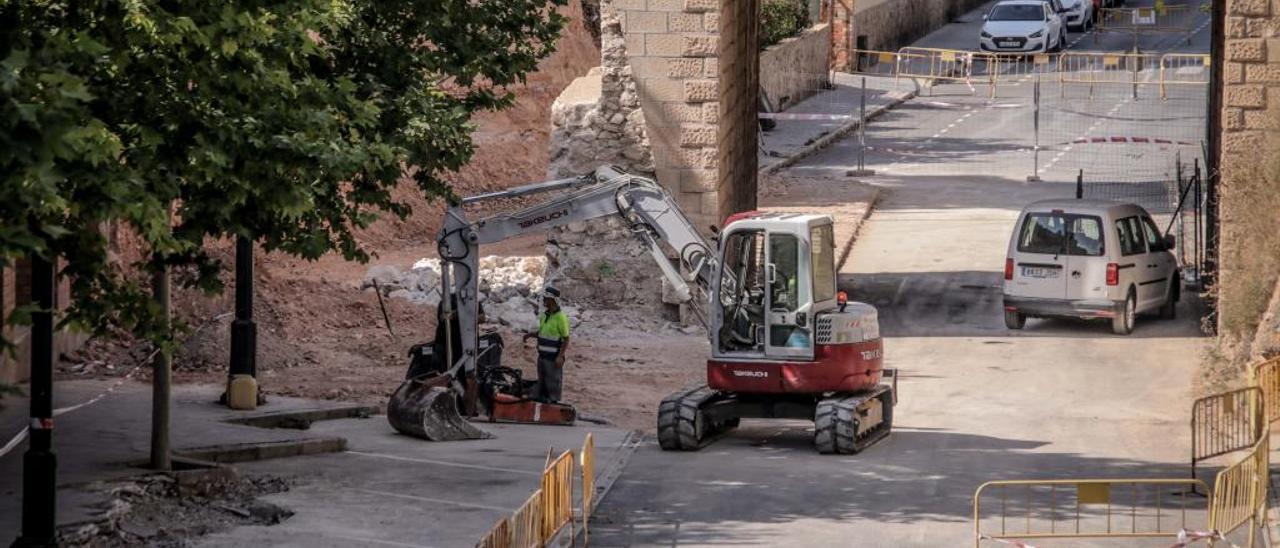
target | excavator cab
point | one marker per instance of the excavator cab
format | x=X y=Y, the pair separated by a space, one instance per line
x=785 y=268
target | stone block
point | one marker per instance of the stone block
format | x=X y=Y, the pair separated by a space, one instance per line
x=711 y=67
x=680 y=113
x=690 y=203
x=700 y=46
x=684 y=68
x=1249 y=49
x=661 y=90
x=620 y=5
x=699 y=180
x=1238 y=27
x=1248 y=7
x=699 y=6
x=649 y=67
x=711 y=22
x=664 y=45
x=646 y=21
x=696 y=136
x=685 y=22
x=1273 y=50
x=1244 y=144
x=710 y=157
x=1256 y=73
x=711 y=112
x=1232 y=119
x=1246 y=96
x=1260 y=119
x=1233 y=73
x=666 y=5
x=701 y=91
x=710 y=203
x=635 y=44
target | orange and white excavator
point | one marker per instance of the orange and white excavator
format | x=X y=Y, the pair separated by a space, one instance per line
x=784 y=342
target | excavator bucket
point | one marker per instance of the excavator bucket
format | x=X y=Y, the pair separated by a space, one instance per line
x=427 y=408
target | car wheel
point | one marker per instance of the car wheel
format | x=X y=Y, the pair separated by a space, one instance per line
x=1122 y=323
x=1169 y=310
x=1014 y=319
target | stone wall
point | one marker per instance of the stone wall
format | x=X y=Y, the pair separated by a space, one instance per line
x=891 y=24
x=739 y=72
x=1249 y=245
x=796 y=68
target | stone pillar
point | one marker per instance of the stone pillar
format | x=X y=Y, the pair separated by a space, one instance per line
x=1249 y=245
x=739 y=73
x=843 y=40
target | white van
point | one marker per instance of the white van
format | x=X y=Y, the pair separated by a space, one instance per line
x=1088 y=259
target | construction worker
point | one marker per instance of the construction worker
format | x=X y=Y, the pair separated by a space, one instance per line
x=553 y=343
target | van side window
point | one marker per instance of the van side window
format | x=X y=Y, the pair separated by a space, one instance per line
x=1130 y=235
x=1153 y=234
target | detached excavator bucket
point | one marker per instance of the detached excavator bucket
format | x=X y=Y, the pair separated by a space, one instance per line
x=427 y=408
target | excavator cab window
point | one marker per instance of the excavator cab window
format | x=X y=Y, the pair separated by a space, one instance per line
x=789 y=328
x=743 y=305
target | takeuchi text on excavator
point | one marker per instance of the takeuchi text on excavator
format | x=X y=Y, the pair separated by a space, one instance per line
x=784 y=341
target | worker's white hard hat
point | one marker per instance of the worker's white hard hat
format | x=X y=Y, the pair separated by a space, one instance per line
x=551 y=293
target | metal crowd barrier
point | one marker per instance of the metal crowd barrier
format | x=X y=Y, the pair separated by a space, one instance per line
x=1101 y=68
x=588 y=466
x=1183 y=69
x=1088 y=508
x=557 y=495
x=947 y=65
x=1266 y=376
x=1240 y=493
x=1225 y=423
x=1160 y=18
x=550 y=508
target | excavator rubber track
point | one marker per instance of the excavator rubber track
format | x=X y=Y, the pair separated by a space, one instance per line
x=682 y=424
x=847 y=424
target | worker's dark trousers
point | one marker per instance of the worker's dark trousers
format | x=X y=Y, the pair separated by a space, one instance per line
x=550 y=379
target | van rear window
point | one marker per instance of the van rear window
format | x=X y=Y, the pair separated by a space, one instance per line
x=1061 y=234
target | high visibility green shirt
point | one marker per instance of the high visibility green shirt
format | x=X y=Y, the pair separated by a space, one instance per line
x=553 y=326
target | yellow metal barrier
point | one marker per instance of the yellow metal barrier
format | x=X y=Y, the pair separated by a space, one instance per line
x=1183 y=69
x=557 y=495
x=588 y=467
x=1107 y=68
x=1266 y=376
x=1240 y=493
x=498 y=537
x=526 y=523
x=1157 y=19
x=1224 y=423
x=1091 y=508
x=947 y=65
x=874 y=62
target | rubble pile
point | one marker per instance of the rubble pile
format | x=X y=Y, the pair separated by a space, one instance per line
x=510 y=287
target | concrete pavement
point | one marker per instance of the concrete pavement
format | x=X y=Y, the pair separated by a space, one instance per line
x=360 y=483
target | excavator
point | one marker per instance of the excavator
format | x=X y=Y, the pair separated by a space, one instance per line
x=785 y=343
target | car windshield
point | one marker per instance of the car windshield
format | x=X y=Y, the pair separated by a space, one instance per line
x=1061 y=234
x=1017 y=12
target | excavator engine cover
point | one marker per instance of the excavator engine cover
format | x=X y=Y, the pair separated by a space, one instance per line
x=427 y=408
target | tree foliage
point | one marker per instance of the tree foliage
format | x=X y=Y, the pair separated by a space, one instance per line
x=289 y=122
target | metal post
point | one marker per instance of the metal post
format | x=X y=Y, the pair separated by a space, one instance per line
x=162 y=370
x=862 y=170
x=1080 y=185
x=244 y=332
x=1199 y=250
x=1035 y=153
x=39 y=464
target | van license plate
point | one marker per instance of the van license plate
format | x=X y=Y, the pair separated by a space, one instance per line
x=1039 y=272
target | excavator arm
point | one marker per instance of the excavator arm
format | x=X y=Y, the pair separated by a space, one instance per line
x=647 y=209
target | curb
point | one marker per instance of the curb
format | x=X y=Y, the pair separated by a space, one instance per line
x=608 y=475
x=826 y=140
x=862 y=221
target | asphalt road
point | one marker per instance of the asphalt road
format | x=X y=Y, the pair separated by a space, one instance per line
x=978 y=402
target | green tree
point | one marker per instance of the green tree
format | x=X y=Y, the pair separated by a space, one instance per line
x=289 y=122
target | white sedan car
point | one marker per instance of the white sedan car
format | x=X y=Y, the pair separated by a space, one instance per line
x=1023 y=26
x=1079 y=16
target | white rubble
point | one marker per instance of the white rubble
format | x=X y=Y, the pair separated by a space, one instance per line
x=510 y=287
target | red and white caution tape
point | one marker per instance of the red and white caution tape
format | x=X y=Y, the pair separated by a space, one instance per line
x=1186 y=537
x=47 y=424
x=805 y=117
x=1127 y=140
x=1010 y=542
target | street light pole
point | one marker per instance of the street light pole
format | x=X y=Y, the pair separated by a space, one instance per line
x=39 y=464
